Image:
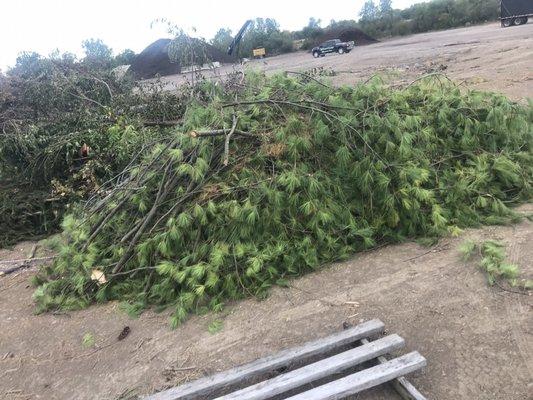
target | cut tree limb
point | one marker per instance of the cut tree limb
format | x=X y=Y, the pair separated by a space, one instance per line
x=220 y=132
x=23 y=263
x=162 y=123
x=228 y=138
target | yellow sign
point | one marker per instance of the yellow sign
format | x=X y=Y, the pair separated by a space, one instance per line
x=259 y=52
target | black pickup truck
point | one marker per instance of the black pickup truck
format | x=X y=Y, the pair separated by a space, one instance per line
x=332 y=46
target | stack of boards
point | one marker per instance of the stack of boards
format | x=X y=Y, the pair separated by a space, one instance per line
x=334 y=367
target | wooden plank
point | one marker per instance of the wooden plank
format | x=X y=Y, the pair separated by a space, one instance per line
x=208 y=384
x=318 y=370
x=365 y=379
x=404 y=388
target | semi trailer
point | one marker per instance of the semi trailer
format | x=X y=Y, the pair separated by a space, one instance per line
x=515 y=12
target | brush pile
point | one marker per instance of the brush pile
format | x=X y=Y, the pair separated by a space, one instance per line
x=65 y=127
x=270 y=177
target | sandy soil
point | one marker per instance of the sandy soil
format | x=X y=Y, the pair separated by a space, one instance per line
x=484 y=57
x=477 y=339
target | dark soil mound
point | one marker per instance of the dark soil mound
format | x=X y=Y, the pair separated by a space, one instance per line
x=154 y=61
x=215 y=54
x=346 y=35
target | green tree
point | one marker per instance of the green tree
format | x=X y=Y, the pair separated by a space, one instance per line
x=314 y=23
x=97 y=52
x=125 y=58
x=188 y=51
x=426 y=16
x=222 y=39
x=265 y=32
x=369 y=11
x=312 y=30
x=385 y=7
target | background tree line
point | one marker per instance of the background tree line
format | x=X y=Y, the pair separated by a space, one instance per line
x=376 y=18
x=262 y=32
x=379 y=19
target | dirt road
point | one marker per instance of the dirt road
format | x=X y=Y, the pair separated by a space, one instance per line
x=484 y=57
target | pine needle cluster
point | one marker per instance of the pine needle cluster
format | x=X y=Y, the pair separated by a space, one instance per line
x=272 y=177
x=493 y=261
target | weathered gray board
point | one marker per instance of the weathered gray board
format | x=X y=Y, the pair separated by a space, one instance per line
x=320 y=369
x=208 y=384
x=404 y=388
x=364 y=379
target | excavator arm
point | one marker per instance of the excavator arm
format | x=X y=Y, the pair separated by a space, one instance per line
x=237 y=39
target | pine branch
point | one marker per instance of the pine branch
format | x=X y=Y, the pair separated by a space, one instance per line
x=228 y=138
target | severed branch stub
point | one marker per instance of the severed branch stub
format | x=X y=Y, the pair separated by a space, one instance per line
x=170 y=123
x=220 y=132
x=228 y=137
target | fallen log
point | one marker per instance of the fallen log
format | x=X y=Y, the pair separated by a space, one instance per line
x=23 y=263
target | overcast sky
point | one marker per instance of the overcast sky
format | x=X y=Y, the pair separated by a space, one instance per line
x=45 y=25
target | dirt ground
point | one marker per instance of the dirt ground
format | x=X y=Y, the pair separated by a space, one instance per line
x=477 y=339
x=484 y=57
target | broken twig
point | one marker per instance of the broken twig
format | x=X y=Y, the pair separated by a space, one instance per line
x=228 y=137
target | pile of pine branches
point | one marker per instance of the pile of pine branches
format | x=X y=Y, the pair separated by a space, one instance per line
x=65 y=127
x=270 y=177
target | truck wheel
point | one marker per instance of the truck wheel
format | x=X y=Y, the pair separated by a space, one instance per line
x=316 y=54
x=340 y=50
x=520 y=21
x=506 y=23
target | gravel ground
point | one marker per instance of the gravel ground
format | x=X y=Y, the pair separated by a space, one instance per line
x=484 y=57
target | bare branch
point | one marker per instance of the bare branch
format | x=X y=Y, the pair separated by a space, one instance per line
x=228 y=137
